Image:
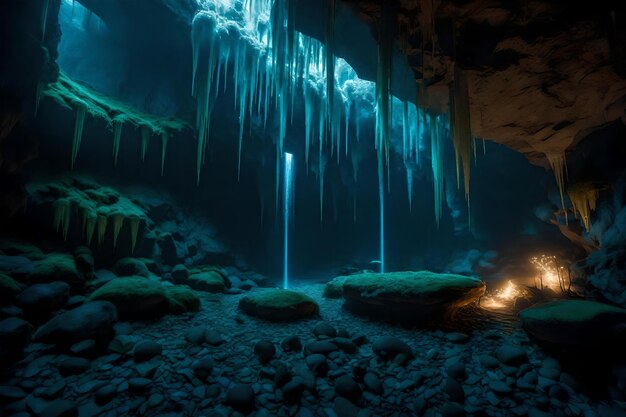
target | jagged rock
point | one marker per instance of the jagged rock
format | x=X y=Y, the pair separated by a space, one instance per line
x=93 y=320
x=279 y=305
x=576 y=323
x=15 y=334
x=57 y=267
x=410 y=296
x=40 y=300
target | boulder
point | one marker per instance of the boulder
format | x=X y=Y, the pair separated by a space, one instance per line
x=40 y=300
x=57 y=267
x=16 y=266
x=210 y=281
x=15 y=334
x=575 y=323
x=410 y=296
x=8 y=288
x=93 y=320
x=241 y=397
x=127 y=267
x=389 y=347
x=182 y=299
x=334 y=288
x=279 y=305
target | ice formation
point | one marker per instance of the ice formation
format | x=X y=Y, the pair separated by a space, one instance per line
x=558 y=164
x=584 y=197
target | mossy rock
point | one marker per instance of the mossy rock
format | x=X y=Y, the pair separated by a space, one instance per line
x=182 y=299
x=57 y=267
x=575 y=323
x=411 y=296
x=209 y=281
x=134 y=297
x=9 y=288
x=279 y=305
x=128 y=267
x=334 y=288
x=21 y=248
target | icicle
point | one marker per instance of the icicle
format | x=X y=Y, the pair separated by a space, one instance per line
x=90 y=225
x=409 y=184
x=118 y=222
x=405 y=130
x=117 y=137
x=44 y=18
x=330 y=62
x=322 y=171
x=145 y=139
x=584 y=197
x=61 y=216
x=461 y=127
x=134 y=230
x=557 y=163
x=484 y=147
x=437 y=166
x=78 y=132
x=102 y=227
x=164 y=139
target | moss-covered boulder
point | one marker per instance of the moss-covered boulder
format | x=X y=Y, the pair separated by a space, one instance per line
x=412 y=296
x=8 y=288
x=13 y=247
x=279 y=305
x=142 y=298
x=334 y=288
x=128 y=267
x=57 y=267
x=575 y=323
x=182 y=299
x=212 y=280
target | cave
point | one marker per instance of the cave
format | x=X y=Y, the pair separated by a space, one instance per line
x=331 y=208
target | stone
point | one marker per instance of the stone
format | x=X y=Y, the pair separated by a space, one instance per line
x=241 y=397
x=264 y=350
x=372 y=383
x=452 y=409
x=40 y=300
x=93 y=320
x=139 y=385
x=195 y=335
x=9 y=394
x=345 y=345
x=144 y=351
x=15 y=334
x=457 y=371
x=60 y=408
x=418 y=297
x=488 y=361
x=57 y=267
x=85 y=348
x=388 y=347
x=180 y=273
x=334 y=288
x=318 y=364
x=499 y=387
x=457 y=337
x=511 y=355
x=213 y=337
x=344 y=408
x=324 y=347
x=279 y=305
x=324 y=330
x=291 y=344
x=9 y=288
x=203 y=367
x=135 y=298
x=347 y=387
x=73 y=365
x=455 y=390
x=129 y=267
x=293 y=389
x=105 y=394
x=123 y=343
x=212 y=281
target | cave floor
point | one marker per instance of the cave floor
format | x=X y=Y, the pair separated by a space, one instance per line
x=449 y=368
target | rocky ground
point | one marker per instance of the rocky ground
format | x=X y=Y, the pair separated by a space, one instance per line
x=218 y=362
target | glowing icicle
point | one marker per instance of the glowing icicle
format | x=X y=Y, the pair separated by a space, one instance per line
x=78 y=132
x=437 y=166
x=61 y=219
x=118 y=222
x=584 y=198
x=287 y=204
x=117 y=137
x=164 y=139
x=145 y=139
x=322 y=171
x=102 y=227
x=461 y=127
x=44 y=18
x=409 y=184
x=381 y=203
x=134 y=230
x=557 y=163
x=330 y=63
x=90 y=226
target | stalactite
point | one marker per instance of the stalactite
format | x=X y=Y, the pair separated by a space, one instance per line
x=409 y=184
x=102 y=227
x=117 y=137
x=134 y=221
x=61 y=216
x=322 y=171
x=584 y=197
x=330 y=63
x=44 y=18
x=145 y=139
x=90 y=226
x=118 y=222
x=437 y=165
x=461 y=127
x=557 y=163
x=164 y=138
x=78 y=132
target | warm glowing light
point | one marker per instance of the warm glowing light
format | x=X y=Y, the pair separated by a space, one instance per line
x=501 y=298
x=550 y=274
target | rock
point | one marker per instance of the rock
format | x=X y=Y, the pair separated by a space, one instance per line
x=9 y=288
x=499 y=387
x=83 y=258
x=139 y=385
x=15 y=334
x=372 y=383
x=203 y=367
x=346 y=387
x=129 y=267
x=9 y=394
x=293 y=389
x=324 y=347
x=455 y=391
x=457 y=371
x=410 y=296
x=180 y=273
x=334 y=288
x=195 y=335
x=388 y=347
x=241 y=397
x=318 y=364
x=324 y=330
x=122 y=343
x=575 y=323
x=511 y=355
x=279 y=305
x=105 y=394
x=144 y=351
x=453 y=410
x=210 y=281
x=213 y=337
x=93 y=320
x=40 y=300
x=154 y=400
x=60 y=408
x=57 y=267
x=291 y=344
x=346 y=345
x=182 y=299
x=457 y=337
x=16 y=266
x=73 y=366
x=488 y=361
x=344 y=408
x=264 y=350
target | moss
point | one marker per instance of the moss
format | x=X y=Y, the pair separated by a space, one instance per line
x=210 y=281
x=409 y=283
x=279 y=305
x=182 y=299
x=334 y=288
x=9 y=288
x=570 y=311
x=134 y=297
x=56 y=267
x=21 y=248
x=127 y=267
